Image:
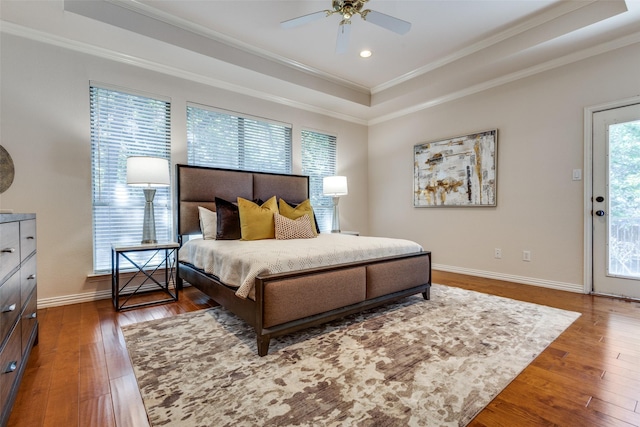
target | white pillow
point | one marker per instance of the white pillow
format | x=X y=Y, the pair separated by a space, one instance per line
x=208 y=223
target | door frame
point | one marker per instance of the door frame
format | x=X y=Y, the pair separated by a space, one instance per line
x=588 y=183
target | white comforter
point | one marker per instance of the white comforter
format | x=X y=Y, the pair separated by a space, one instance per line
x=237 y=263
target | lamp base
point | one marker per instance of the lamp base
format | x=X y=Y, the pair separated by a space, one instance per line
x=149 y=224
x=335 y=223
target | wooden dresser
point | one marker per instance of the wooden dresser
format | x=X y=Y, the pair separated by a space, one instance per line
x=18 y=295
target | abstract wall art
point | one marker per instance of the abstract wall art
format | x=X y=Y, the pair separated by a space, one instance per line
x=458 y=171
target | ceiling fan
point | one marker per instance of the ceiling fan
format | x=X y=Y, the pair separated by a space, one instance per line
x=349 y=8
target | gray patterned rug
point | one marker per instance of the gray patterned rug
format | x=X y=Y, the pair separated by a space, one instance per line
x=417 y=362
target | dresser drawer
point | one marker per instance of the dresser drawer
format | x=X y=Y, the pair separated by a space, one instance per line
x=9 y=248
x=28 y=277
x=9 y=304
x=29 y=320
x=27 y=238
x=10 y=362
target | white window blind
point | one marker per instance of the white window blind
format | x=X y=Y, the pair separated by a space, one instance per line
x=318 y=161
x=123 y=125
x=227 y=140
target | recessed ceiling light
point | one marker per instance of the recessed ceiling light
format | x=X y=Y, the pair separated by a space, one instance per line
x=365 y=53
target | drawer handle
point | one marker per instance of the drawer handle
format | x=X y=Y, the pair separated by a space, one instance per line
x=30 y=237
x=11 y=367
x=9 y=308
x=8 y=250
x=31 y=277
x=32 y=315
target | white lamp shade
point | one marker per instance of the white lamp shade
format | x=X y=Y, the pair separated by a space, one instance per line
x=147 y=171
x=335 y=186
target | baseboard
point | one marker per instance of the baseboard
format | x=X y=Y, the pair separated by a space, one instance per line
x=106 y=294
x=562 y=286
x=87 y=297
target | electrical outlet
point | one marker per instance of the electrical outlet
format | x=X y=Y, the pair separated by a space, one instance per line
x=497 y=253
x=526 y=256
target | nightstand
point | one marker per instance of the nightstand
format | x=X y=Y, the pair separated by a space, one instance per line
x=351 y=233
x=139 y=277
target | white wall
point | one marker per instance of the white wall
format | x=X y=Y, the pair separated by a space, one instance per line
x=44 y=115
x=540 y=142
x=44 y=118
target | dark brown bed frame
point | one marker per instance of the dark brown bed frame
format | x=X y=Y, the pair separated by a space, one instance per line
x=288 y=302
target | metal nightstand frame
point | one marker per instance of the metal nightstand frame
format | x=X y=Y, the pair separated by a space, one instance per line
x=168 y=262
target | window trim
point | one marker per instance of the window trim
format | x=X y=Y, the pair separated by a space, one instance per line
x=285 y=128
x=238 y=114
x=103 y=231
x=327 y=206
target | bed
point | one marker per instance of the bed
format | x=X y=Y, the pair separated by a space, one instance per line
x=281 y=302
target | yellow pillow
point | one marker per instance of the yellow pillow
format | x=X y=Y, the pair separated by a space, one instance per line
x=303 y=208
x=256 y=222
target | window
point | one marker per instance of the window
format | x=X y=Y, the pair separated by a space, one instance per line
x=123 y=125
x=226 y=140
x=318 y=161
x=223 y=139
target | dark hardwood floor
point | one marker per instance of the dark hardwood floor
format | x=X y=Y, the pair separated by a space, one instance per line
x=80 y=374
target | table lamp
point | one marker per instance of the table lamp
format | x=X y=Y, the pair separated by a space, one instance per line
x=335 y=186
x=148 y=172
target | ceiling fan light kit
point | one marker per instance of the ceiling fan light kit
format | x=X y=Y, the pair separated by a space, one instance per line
x=349 y=8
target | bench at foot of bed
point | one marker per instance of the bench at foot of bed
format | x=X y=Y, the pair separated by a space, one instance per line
x=264 y=336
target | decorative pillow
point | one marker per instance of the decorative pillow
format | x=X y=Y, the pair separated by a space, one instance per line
x=303 y=208
x=228 y=220
x=256 y=221
x=208 y=223
x=300 y=228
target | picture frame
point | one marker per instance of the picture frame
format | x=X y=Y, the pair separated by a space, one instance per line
x=456 y=172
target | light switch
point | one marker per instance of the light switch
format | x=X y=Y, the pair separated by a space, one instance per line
x=577 y=174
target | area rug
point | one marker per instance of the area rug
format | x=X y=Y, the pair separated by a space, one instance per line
x=415 y=363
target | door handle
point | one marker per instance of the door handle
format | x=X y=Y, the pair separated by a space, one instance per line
x=600 y=213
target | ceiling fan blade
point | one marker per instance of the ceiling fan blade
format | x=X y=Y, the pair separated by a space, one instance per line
x=385 y=21
x=304 y=19
x=344 y=30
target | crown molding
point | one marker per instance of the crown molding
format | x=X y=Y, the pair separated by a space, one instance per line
x=85 y=48
x=183 y=24
x=542 y=18
x=547 y=16
x=511 y=77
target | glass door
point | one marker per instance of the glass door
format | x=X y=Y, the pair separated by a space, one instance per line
x=616 y=202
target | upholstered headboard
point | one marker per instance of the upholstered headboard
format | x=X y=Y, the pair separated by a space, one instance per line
x=199 y=186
